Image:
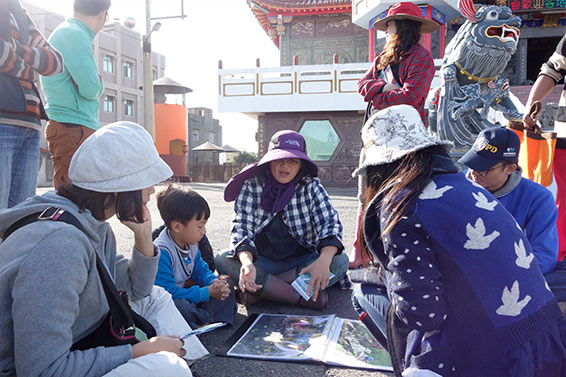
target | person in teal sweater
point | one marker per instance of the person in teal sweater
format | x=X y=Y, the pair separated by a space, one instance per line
x=72 y=96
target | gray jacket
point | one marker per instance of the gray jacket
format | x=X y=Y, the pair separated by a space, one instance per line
x=51 y=293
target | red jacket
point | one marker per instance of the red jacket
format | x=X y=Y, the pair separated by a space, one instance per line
x=416 y=71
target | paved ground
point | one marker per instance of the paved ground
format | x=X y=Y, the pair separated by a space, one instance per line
x=217 y=231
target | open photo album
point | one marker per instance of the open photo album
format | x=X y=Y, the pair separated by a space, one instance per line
x=327 y=339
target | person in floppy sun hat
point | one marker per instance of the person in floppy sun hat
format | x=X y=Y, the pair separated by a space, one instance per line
x=283 y=225
x=457 y=281
x=54 y=301
x=401 y=74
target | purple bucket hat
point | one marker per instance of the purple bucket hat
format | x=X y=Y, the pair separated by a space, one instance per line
x=284 y=144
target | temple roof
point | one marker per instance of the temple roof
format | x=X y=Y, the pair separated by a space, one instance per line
x=302 y=4
x=270 y=13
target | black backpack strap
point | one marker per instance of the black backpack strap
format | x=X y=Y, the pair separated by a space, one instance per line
x=50 y=213
x=121 y=315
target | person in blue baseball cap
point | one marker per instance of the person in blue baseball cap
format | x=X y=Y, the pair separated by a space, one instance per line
x=493 y=164
x=493 y=157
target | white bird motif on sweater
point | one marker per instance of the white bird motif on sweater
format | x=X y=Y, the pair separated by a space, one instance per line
x=483 y=202
x=477 y=239
x=512 y=307
x=523 y=260
x=432 y=192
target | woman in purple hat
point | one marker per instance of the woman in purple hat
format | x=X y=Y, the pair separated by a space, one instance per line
x=283 y=226
x=400 y=75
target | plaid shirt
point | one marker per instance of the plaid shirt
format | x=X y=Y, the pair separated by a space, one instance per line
x=309 y=215
x=21 y=61
x=416 y=71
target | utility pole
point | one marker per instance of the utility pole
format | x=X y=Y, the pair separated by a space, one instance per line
x=149 y=118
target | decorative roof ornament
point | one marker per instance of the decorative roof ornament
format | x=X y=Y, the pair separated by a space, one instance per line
x=271 y=33
x=263 y=8
x=280 y=28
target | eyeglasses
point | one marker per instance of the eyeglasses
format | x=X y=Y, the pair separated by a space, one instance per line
x=483 y=173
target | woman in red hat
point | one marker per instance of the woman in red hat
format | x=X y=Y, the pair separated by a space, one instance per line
x=400 y=75
x=403 y=72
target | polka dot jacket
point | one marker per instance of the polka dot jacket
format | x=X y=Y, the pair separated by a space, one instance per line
x=461 y=274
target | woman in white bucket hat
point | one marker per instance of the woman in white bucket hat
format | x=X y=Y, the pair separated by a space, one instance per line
x=53 y=297
x=458 y=293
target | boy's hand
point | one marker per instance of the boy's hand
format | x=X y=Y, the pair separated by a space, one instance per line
x=219 y=289
x=215 y=290
x=224 y=288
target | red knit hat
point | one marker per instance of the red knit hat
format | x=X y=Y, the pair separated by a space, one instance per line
x=406 y=11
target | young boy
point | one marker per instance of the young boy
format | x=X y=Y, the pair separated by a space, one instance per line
x=200 y=296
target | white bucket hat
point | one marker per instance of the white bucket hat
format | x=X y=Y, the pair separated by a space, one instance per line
x=392 y=133
x=118 y=157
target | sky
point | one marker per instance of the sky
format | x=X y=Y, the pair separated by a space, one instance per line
x=212 y=30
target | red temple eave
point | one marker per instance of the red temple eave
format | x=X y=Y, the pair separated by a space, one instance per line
x=264 y=9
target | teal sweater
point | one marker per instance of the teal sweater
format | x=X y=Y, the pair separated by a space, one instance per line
x=72 y=96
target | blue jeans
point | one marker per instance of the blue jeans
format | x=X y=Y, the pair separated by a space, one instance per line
x=373 y=301
x=19 y=164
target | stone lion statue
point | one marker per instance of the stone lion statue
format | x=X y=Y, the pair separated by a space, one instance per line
x=470 y=74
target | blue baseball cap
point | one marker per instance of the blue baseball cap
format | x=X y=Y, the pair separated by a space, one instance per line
x=492 y=145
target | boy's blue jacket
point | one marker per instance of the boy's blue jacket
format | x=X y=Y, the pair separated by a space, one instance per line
x=177 y=265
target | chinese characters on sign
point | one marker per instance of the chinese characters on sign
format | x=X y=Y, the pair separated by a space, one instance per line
x=517 y=5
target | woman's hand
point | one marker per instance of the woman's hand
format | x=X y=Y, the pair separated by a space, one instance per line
x=141 y=228
x=142 y=233
x=390 y=88
x=169 y=343
x=320 y=271
x=247 y=273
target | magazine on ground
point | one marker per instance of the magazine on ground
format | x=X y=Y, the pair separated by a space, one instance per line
x=327 y=339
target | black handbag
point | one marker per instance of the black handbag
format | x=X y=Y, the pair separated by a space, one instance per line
x=122 y=325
